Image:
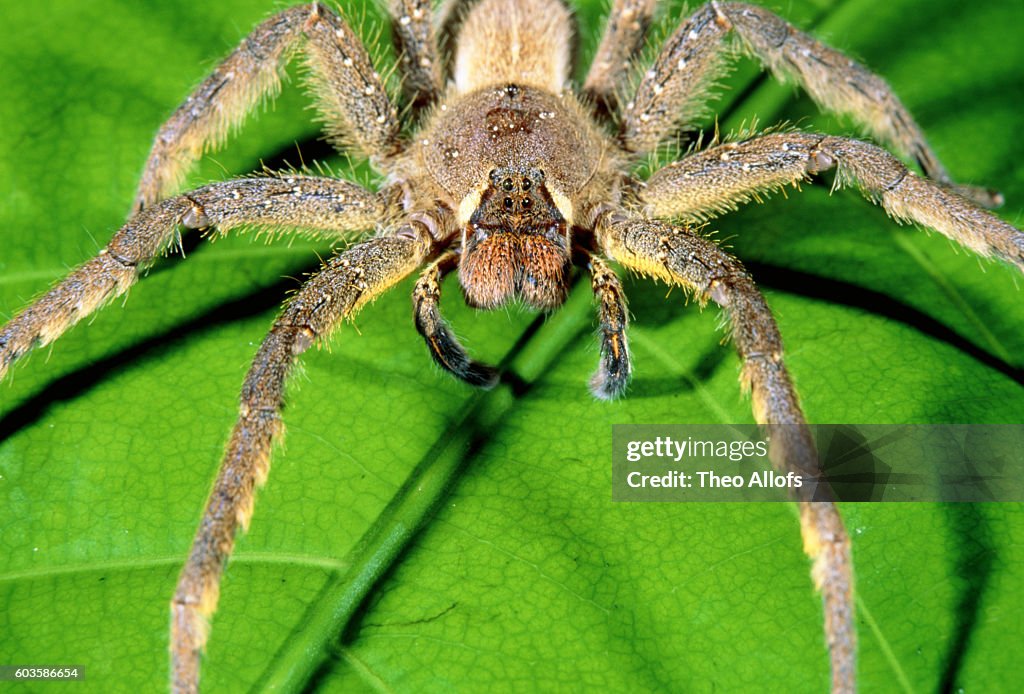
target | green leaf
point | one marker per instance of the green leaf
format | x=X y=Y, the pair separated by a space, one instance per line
x=528 y=576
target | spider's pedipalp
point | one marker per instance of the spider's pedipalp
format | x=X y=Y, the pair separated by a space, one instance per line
x=351 y=95
x=612 y=376
x=673 y=91
x=346 y=283
x=718 y=179
x=622 y=41
x=290 y=202
x=444 y=347
x=678 y=256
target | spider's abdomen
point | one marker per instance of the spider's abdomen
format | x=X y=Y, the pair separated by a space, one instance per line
x=514 y=41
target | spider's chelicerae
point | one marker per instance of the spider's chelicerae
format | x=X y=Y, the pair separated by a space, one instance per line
x=514 y=180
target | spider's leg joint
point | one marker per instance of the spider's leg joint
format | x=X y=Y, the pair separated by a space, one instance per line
x=773 y=357
x=415 y=230
x=717 y=291
x=313 y=18
x=127 y=262
x=820 y=160
x=303 y=339
x=435 y=224
x=195 y=217
x=721 y=19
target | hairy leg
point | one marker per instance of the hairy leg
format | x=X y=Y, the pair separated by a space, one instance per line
x=350 y=96
x=612 y=376
x=443 y=345
x=301 y=202
x=414 y=37
x=680 y=257
x=718 y=179
x=673 y=91
x=621 y=43
x=345 y=284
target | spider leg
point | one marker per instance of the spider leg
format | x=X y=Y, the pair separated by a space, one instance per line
x=346 y=283
x=350 y=95
x=443 y=345
x=305 y=202
x=678 y=256
x=417 y=45
x=621 y=43
x=718 y=179
x=673 y=91
x=613 y=374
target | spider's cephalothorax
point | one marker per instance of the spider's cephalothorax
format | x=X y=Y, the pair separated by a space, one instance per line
x=511 y=179
x=515 y=161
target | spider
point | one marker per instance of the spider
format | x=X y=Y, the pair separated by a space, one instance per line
x=531 y=181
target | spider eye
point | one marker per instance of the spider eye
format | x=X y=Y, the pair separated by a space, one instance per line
x=507 y=184
x=507 y=202
x=527 y=183
x=526 y=203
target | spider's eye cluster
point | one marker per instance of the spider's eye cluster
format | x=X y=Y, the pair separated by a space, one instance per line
x=520 y=193
x=510 y=203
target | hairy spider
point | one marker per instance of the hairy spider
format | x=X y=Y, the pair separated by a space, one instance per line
x=529 y=184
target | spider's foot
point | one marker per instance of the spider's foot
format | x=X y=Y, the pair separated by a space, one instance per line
x=479 y=375
x=610 y=381
x=451 y=356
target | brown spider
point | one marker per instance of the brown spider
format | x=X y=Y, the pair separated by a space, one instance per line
x=511 y=181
